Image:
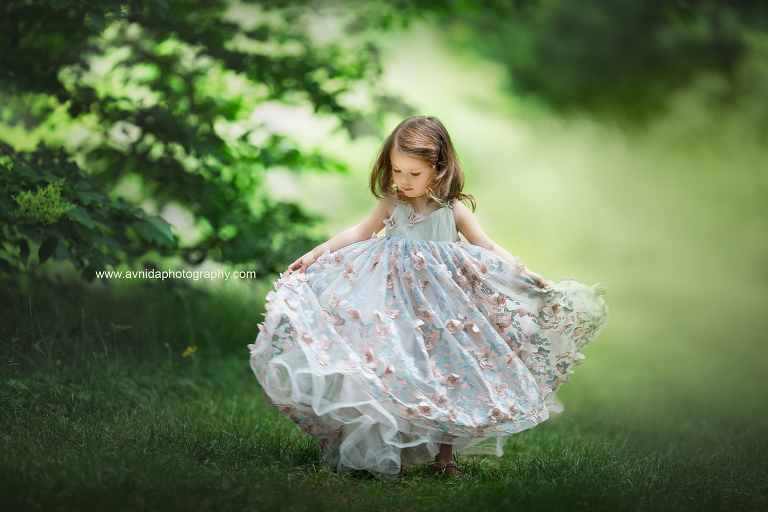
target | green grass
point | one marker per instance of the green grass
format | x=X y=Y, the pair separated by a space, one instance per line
x=98 y=413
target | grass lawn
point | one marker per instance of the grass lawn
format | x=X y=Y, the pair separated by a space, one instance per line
x=100 y=410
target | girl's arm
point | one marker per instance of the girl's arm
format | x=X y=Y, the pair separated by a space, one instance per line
x=467 y=224
x=362 y=231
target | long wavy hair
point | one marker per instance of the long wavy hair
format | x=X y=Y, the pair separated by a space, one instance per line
x=427 y=139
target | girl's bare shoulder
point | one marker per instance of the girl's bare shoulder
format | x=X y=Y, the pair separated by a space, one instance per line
x=460 y=211
x=388 y=204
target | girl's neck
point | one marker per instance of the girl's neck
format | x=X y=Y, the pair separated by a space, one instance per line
x=422 y=205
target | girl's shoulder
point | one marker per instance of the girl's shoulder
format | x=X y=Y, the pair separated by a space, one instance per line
x=461 y=213
x=390 y=204
x=458 y=207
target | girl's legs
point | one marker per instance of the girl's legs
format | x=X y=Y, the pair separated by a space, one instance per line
x=445 y=453
x=443 y=461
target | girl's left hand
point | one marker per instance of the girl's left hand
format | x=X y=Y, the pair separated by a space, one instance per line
x=547 y=284
x=542 y=282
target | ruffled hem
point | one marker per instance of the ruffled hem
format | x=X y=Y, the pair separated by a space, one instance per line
x=359 y=432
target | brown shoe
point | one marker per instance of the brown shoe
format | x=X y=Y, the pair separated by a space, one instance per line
x=445 y=468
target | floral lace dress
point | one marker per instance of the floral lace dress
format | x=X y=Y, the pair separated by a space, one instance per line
x=389 y=347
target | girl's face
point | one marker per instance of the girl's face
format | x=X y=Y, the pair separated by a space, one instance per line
x=411 y=175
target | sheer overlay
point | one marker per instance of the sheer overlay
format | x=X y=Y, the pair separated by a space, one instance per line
x=389 y=347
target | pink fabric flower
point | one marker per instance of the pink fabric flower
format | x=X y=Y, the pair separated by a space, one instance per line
x=419 y=261
x=429 y=339
x=334 y=301
x=500 y=389
x=500 y=321
x=425 y=408
x=287 y=410
x=452 y=380
x=349 y=272
x=486 y=359
x=354 y=315
x=496 y=414
x=409 y=281
x=499 y=301
x=369 y=360
x=453 y=325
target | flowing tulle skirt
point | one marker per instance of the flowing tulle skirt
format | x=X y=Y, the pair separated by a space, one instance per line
x=389 y=347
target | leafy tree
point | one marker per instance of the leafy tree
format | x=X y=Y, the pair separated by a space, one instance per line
x=616 y=58
x=166 y=88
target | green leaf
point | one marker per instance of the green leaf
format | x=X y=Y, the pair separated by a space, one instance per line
x=97 y=18
x=88 y=273
x=88 y=197
x=62 y=253
x=17 y=384
x=110 y=243
x=60 y=4
x=96 y=261
x=30 y=233
x=83 y=185
x=5 y=267
x=80 y=215
x=189 y=383
x=23 y=250
x=152 y=233
x=23 y=170
x=164 y=228
x=50 y=177
x=46 y=249
x=161 y=8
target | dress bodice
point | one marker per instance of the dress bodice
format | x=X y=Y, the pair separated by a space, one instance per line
x=439 y=225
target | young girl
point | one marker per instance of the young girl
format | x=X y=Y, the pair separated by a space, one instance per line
x=407 y=348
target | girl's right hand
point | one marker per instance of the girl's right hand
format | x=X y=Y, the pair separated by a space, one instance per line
x=303 y=262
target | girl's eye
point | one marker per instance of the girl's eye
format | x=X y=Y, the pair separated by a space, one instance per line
x=395 y=170
x=414 y=175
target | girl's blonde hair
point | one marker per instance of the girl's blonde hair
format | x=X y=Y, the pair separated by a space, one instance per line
x=427 y=139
